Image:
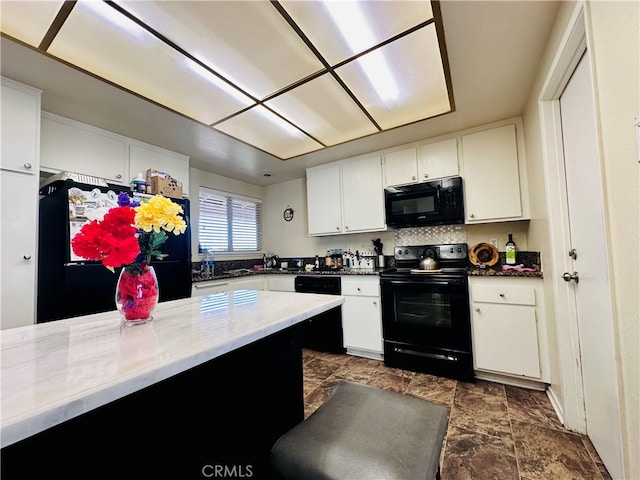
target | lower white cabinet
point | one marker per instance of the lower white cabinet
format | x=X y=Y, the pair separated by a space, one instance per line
x=508 y=327
x=254 y=282
x=361 y=316
x=280 y=283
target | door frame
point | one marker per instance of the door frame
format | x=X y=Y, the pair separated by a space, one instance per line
x=572 y=46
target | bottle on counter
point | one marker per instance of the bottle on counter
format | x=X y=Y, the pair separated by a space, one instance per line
x=510 y=251
x=316 y=265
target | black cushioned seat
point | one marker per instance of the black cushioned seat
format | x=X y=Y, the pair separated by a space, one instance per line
x=363 y=432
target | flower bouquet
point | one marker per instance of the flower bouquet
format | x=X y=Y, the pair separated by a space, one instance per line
x=129 y=236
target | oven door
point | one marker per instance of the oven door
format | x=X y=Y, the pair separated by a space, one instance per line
x=427 y=312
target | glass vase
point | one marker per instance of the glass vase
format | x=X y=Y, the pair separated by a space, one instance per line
x=137 y=295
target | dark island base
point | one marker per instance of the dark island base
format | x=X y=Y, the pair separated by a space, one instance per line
x=217 y=420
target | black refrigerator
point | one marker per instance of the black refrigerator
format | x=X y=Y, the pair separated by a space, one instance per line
x=69 y=286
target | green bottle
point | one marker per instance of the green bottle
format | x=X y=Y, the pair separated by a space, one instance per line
x=510 y=251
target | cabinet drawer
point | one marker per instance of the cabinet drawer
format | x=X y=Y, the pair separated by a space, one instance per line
x=367 y=287
x=512 y=295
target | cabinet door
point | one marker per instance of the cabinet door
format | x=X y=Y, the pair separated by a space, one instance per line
x=361 y=324
x=324 y=200
x=438 y=159
x=19 y=249
x=505 y=339
x=72 y=146
x=401 y=167
x=143 y=157
x=363 y=195
x=280 y=283
x=491 y=175
x=20 y=128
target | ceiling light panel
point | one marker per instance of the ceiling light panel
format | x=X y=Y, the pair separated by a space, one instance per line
x=249 y=43
x=413 y=64
x=341 y=29
x=100 y=40
x=265 y=130
x=322 y=108
x=39 y=16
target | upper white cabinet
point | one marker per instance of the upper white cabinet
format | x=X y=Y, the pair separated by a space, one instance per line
x=72 y=146
x=346 y=197
x=143 y=157
x=401 y=167
x=68 y=145
x=20 y=127
x=495 y=187
x=19 y=202
x=363 y=195
x=438 y=159
x=421 y=163
x=324 y=200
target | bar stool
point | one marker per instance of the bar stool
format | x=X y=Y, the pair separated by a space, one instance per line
x=364 y=432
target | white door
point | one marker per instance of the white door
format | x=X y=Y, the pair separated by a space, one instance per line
x=592 y=290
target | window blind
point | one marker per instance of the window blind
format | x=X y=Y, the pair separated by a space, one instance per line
x=229 y=223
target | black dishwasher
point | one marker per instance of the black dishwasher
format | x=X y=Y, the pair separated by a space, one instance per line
x=322 y=332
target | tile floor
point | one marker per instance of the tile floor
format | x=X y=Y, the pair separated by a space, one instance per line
x=495 y=431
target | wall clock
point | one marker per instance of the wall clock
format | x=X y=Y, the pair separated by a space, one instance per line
x=288 y=214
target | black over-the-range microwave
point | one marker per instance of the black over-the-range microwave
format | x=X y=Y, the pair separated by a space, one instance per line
x=438 y=202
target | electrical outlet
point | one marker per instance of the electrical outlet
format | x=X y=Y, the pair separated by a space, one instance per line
x=494 y=242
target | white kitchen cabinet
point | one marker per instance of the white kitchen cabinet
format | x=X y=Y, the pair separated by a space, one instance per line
x=422 y=163
x=495 y=187
x=509 y=335
x=143 y=157
x=20 y=127
x=346 y=197
x=363 y=195
x=401 y=167
x=438 y=160
x=67 y=145
x=361 y=316
x=19 y=203
x=280 y=282
x=251 y=282
x=324 y=200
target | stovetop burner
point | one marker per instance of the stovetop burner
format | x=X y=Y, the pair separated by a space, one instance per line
x=452 y=259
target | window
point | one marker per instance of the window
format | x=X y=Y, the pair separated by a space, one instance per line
x=229 y=223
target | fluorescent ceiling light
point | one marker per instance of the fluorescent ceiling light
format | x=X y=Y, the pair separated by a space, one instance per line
x=332 y=71
x=354 y=28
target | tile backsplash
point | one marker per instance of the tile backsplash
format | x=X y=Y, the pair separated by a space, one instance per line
x=431 y=235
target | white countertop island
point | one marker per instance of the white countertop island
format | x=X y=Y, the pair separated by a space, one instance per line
x=56 y=371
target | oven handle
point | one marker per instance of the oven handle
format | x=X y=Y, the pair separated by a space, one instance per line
x=423 y=281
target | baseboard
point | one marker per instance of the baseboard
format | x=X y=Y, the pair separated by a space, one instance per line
x=557 y=406
x=508 y=380
x=357 y=352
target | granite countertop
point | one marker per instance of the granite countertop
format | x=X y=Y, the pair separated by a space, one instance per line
x=501 y=272
x=52 y=372
x=497 y=271
x=278 y=271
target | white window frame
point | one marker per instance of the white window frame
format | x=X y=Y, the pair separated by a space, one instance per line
x=207 y=217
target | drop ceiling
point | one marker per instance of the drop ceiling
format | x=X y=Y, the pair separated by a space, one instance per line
x=241 y=86
x=287 y=77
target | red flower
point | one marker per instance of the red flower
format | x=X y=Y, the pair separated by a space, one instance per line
x=112 y=240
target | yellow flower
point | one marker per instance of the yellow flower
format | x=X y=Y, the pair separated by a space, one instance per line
x=160 y=213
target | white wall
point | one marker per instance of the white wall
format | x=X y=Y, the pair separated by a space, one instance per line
x=613 y=33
